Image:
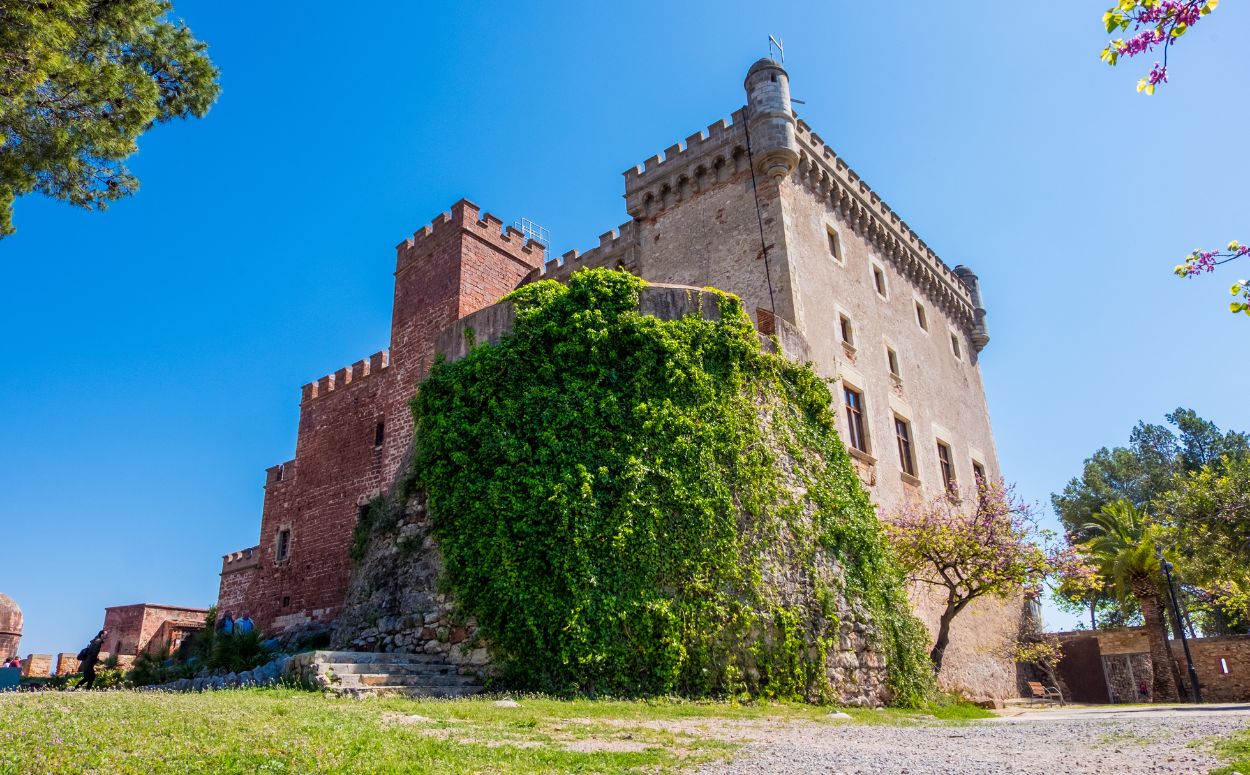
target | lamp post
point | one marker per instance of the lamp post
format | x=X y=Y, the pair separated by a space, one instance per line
x=1195 y=692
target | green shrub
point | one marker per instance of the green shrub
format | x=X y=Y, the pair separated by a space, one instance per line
x=608 y=490
x=238 y=653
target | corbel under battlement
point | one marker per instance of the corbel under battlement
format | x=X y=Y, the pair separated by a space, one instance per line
x=684 y=170
x=829 y=176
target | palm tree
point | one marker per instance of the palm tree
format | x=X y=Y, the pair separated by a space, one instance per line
x=1122 y=545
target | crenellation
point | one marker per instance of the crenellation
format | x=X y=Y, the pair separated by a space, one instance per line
x=345 y=376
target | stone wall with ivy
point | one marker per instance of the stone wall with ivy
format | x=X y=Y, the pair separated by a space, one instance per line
x=625 y=505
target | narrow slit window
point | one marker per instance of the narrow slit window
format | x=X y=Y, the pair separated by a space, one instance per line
x=1223 y=666
x=286 y=601
x=379 y=433
x=902 y=433
x=947 y=465
x=835 y=245
x=855 y=420
x=848 y=331
x=955 y=348
x=878 y=279
x=921 y=318
x=284 y=544
x=891 y=358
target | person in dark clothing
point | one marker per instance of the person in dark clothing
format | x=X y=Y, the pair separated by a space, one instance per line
x=87 y=659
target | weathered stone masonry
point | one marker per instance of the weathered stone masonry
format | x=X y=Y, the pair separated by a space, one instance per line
x=831 y=249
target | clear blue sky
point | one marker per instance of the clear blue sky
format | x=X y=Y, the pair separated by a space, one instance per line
x=153 y=354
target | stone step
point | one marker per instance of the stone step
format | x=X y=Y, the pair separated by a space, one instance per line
x=395 y=668
x=369 y=658
x=406 y=691
x=390 y=679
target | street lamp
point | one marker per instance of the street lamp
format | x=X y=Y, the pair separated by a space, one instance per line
x=1195 y=693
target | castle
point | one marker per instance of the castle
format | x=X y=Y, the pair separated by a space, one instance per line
x=758 y=206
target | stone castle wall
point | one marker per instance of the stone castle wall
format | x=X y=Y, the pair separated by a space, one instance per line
x=746 y=205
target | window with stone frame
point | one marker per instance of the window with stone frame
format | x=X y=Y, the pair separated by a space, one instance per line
x=878 y=281
x=891 y=359
x=283 y=549
x=978 y=471
x=847 y=330
x=835 y=244
x=947 y=465
x=856 y=429
x=921 y=317
x=955 y=348
x=906 y=456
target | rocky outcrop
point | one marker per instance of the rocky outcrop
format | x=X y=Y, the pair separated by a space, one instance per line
x=394 y=603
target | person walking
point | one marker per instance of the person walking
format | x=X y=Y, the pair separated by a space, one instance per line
x=87 y=659
x=243 y=625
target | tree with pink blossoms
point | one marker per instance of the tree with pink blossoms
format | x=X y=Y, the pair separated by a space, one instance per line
x=1156 y=26
x=989 y=545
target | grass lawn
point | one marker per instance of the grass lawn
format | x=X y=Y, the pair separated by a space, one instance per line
x=289 y=731
x=1234 y=749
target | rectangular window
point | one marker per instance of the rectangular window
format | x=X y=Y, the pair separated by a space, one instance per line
x=947 y=466
x=920 y=316
x=955 y=348
x=848 y=332
x=978 y=471
x=878 y=279
x=835 y=245
x=286 y=601
x=855 y=419
x=902 y=432
x=284 y=544
x=379 y=433
x=891 y=358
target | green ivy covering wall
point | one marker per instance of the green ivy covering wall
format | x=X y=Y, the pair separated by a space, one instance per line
x=625 y=503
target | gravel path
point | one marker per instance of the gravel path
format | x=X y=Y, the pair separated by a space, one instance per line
x=1050 y=743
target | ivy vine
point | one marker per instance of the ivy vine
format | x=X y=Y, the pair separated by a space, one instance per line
x=635 y=506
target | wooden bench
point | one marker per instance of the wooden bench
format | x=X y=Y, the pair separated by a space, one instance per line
x=1045 y=693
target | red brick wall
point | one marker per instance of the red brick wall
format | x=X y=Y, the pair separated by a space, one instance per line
x=131 y=627
x=447 y=270
x=238 y=570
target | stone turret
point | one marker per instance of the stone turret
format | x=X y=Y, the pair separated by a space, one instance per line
x=10 y=626
x=770 y=120
x=980 y=334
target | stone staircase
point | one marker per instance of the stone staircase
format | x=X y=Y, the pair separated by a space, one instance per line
x=365 y=674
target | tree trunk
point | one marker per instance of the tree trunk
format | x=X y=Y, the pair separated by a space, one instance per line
x=1162 y=664
x=953 y=607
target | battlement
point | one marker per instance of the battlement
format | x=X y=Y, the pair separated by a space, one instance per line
x=366 y=367
x=280 y=473
x=240 y=560
x=615 y=250
x=830 y=177
x=464 y=218
x=705 y=159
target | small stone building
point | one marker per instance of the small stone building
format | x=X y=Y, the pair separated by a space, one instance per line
x=1101 y=666
x=134 y=629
